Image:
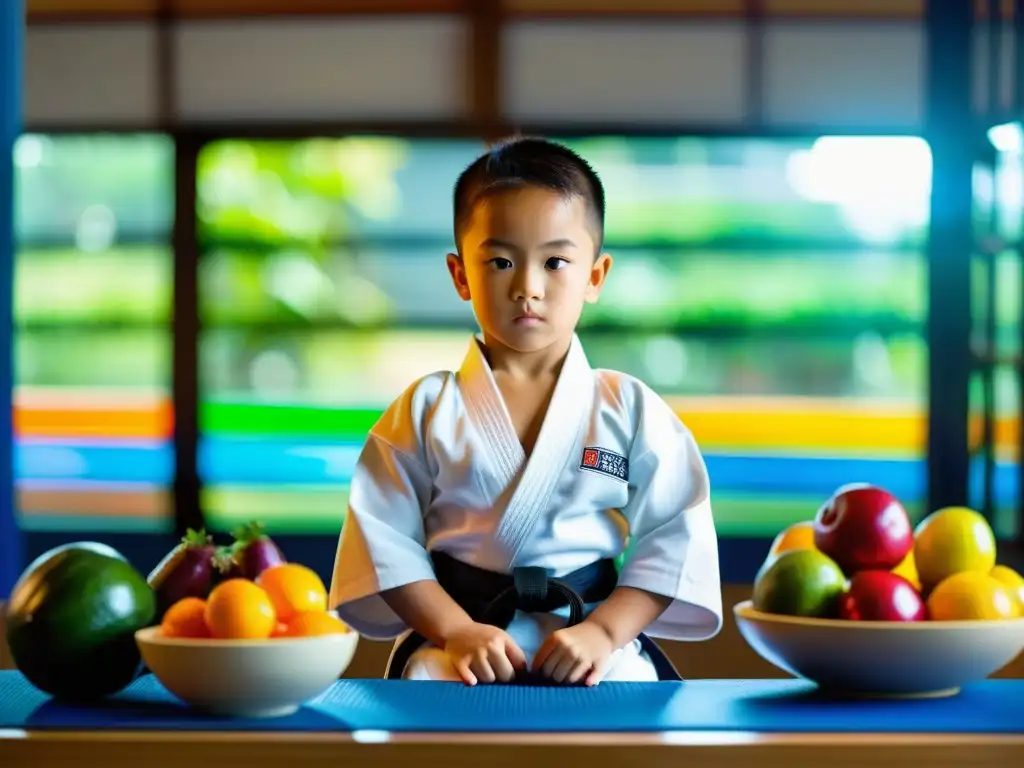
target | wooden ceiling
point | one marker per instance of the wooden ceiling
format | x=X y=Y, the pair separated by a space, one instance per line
x=56 y=10
x=53 y=11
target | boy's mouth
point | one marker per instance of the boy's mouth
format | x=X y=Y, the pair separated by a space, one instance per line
x=528 y=318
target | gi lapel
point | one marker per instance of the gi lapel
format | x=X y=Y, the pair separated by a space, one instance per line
x=487 y=410
x=557 y=446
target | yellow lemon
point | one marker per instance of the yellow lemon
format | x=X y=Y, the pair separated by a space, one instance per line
x=796 y=536
x=908 y=570
x=971 y=596
x=953 y=540
x=1013 y=581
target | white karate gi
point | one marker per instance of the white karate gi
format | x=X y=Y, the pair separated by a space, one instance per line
x=443 y=469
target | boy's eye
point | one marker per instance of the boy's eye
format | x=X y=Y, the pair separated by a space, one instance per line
x=556 y=263
x=500 y=263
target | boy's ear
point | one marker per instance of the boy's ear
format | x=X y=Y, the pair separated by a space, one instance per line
x=598 y=274
x=458 y=272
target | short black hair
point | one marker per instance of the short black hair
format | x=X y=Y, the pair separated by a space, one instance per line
x=524 y=162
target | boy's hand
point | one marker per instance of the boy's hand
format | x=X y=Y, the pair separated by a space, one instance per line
x=484 y=653
x=575 y=653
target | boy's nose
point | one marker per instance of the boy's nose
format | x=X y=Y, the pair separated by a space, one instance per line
x=527 y=286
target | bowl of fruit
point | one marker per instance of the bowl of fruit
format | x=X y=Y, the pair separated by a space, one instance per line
x=234 y=629
x=860 y=602
x=242 y=632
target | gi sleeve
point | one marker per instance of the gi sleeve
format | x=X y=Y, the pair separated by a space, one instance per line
x=673 y=546
x=382 y=542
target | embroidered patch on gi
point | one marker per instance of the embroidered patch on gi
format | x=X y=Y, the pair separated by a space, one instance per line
x=605 y=462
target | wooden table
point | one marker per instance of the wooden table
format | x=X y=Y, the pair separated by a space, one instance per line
x=134 y=749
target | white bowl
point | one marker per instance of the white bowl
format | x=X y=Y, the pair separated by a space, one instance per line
x=247 y=678
x=882 y=659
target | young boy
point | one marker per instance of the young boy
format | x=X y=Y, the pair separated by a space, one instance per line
x=489 y=503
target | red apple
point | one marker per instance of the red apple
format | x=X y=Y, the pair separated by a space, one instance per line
x=863 y=527
x=881 y=596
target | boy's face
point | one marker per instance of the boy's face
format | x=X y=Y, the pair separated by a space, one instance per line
x=528 y=266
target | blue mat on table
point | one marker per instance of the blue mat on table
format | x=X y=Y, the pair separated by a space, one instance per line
x=992 y=706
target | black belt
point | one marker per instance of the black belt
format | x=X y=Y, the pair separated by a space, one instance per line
x=490 y=597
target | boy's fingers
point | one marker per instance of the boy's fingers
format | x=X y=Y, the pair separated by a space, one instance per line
x=464 y=672
x=502 y=666
x=542 y=654
x=515 y=655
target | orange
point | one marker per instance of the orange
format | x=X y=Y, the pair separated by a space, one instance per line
x=796 y=536
x=185 y=619
x=1012 y=580
x=293 y=588
x=314 y=623
x=237 y=609
x=971 y=596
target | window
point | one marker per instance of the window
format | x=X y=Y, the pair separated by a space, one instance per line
x=92 y=300
x=772 y=291
x=314 y=273
x=996 y=289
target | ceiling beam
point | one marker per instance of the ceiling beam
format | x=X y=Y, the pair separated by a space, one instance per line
x=56 y=11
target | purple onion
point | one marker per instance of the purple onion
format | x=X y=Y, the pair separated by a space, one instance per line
x=251 y=553
x=256 y=551
x=185 y=571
